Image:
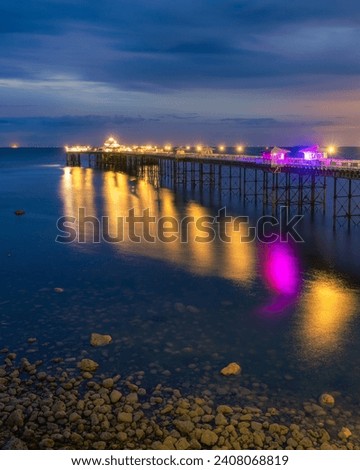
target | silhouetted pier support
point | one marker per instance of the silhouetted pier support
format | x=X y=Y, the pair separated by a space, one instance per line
x=73 y=159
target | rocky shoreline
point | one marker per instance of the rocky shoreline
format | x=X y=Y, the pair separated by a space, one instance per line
x=86 y=410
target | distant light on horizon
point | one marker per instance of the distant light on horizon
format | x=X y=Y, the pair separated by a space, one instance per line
x=14 y=146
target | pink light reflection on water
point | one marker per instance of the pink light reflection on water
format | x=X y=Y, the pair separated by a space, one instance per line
x=281 y=273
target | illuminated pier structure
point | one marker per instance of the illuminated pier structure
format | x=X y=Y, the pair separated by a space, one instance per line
x=294 y=183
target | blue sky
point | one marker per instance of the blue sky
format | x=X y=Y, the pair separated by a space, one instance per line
x=260 y=72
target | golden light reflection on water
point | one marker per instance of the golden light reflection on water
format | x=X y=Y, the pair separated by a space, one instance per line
x=328 y=306
x=77 y=191
x=120 y=193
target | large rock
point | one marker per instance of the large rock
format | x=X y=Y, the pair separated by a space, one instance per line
x=88 y=365
x=97 y=339
x=231 y=369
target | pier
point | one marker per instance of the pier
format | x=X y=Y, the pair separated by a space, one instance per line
x=296 y=183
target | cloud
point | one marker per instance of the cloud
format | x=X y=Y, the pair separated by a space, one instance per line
x=48 y=130
x=177 y=62
x=278 y=123
x=140 y=45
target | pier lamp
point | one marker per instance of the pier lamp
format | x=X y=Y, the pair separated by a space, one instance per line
x=331 y=150
x=168 y=148
x=221 y=148
x=188 y=147
x=239 y=148
x=199 y=148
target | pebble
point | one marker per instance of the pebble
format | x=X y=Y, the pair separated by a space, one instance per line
x=256 y=426
x=47 y=443
x=53 y=408
x=97 y=339
x=115 y=396
x=74 y=417
x=132 y=398
x=209 y=438
x=124 y=417
x=224 y=409
x=108 y=383
x=99 y=445
x=16 y=419
x=184 y=426
x=326 y=400
x=345 y=433
x=220 y=420
x=14 y=444
x=231 y=369
x=88 y=365
x=182 y=444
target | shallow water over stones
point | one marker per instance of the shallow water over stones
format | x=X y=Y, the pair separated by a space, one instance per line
x=177 y=315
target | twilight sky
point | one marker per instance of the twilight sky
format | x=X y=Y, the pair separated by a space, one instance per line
x=256 y=72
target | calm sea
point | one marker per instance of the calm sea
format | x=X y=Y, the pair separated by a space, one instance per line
x=288 y=313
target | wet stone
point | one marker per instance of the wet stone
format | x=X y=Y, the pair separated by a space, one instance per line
x=14 y=444
x=326 y=400
x=108 y=383
x=88 y=365
x=184 y=426
x=16 y=419
x=124 y=417
x=220 y=420
x=209 y=438
x=99 y=445
x=97 y=339
x=47 y=443
x=231 y=369
x=345 y=433
x=115 y=396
